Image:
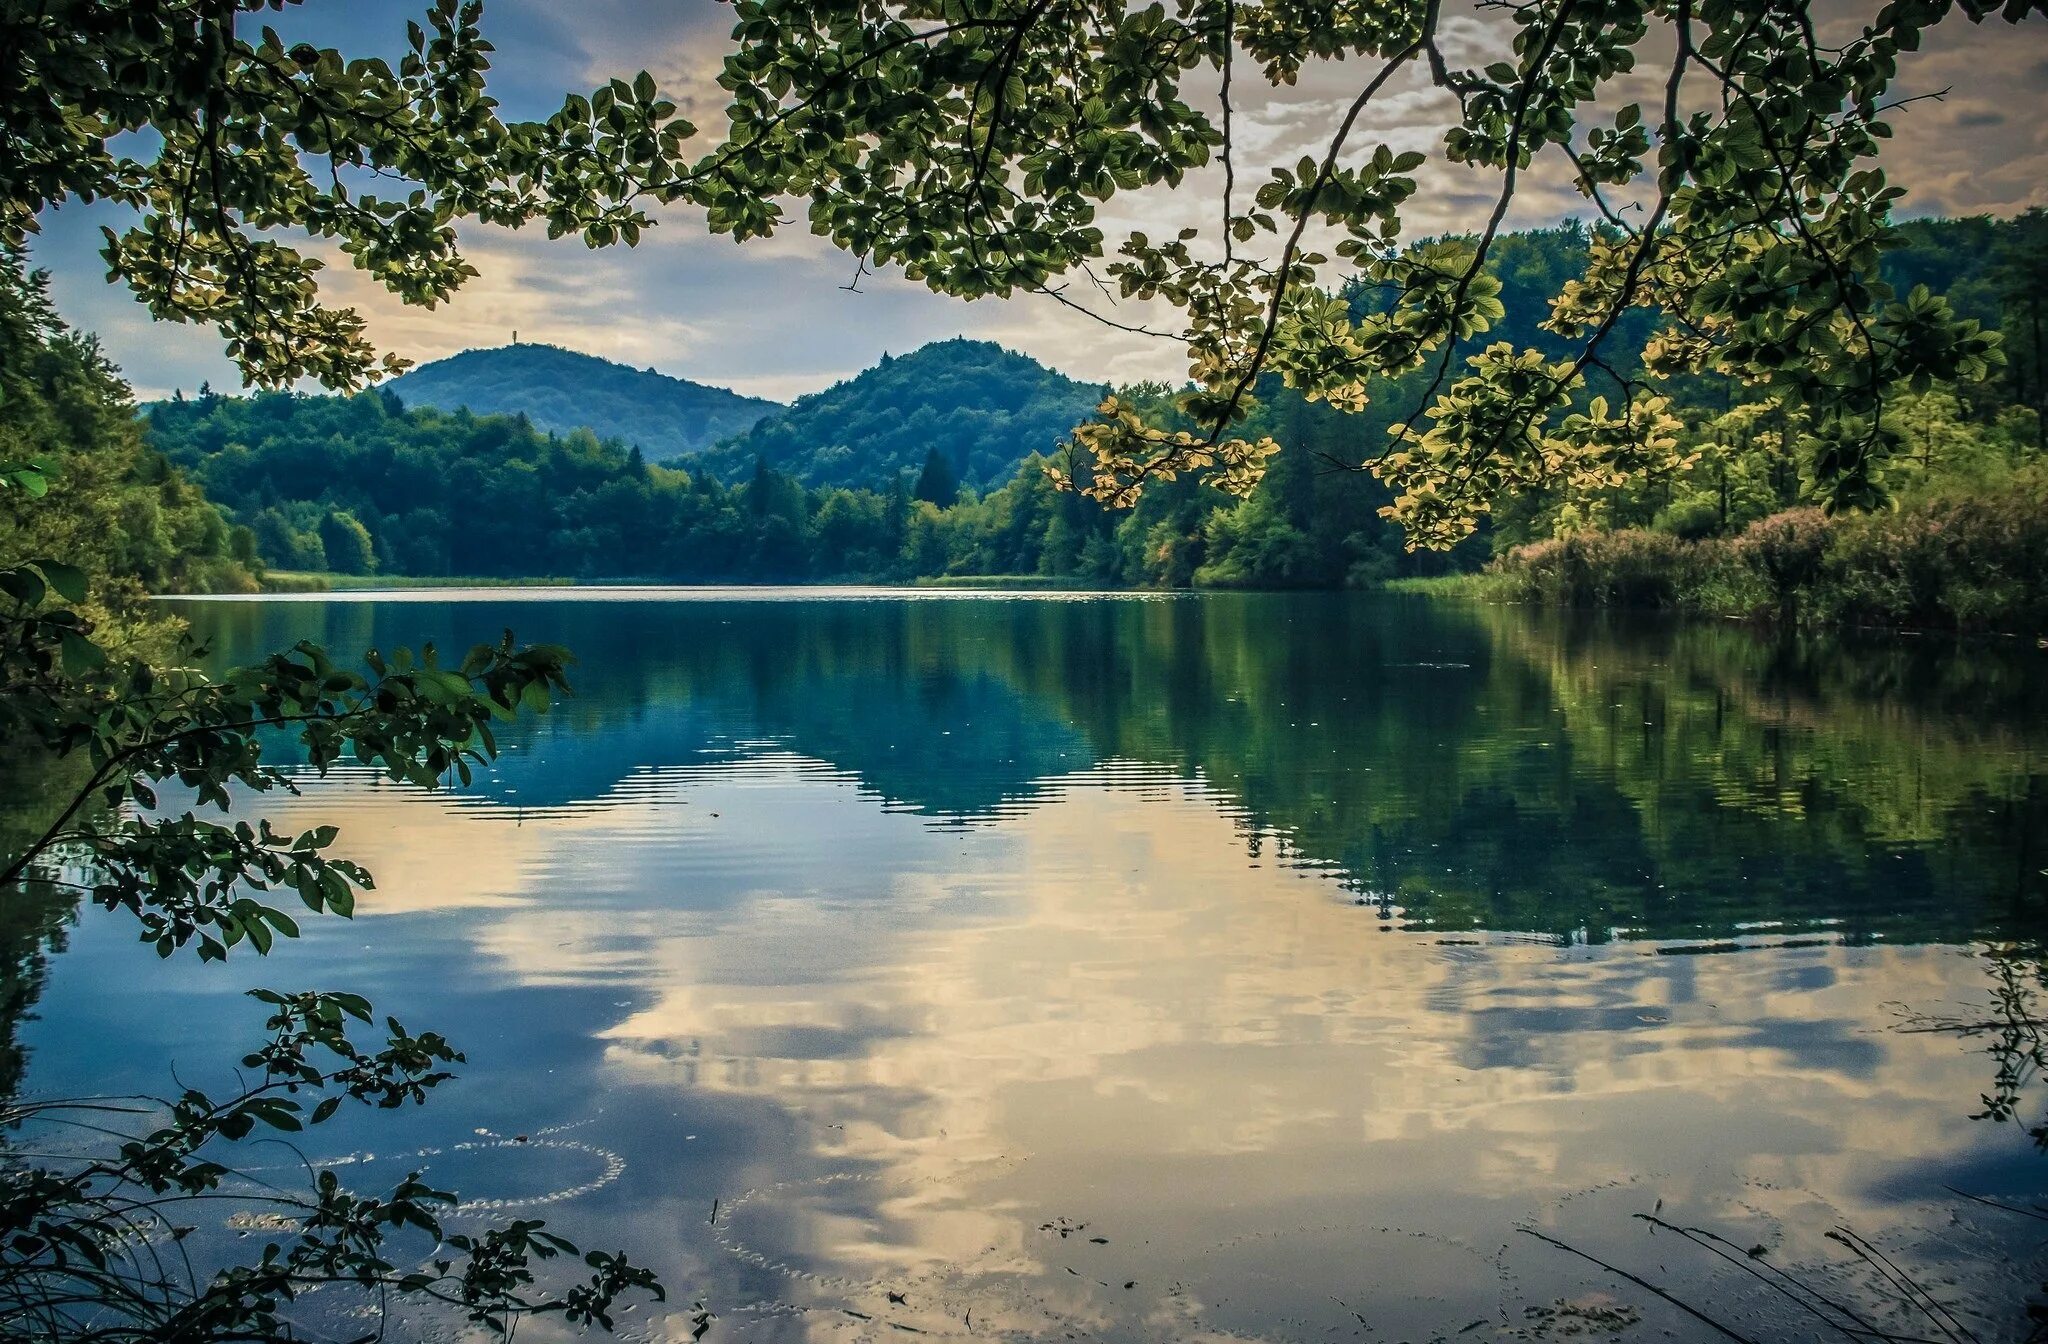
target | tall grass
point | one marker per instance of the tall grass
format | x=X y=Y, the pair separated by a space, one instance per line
x=1975 y=561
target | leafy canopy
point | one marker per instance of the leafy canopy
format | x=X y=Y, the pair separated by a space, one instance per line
x=972 y=143
x=973 y=146
x=247 y=137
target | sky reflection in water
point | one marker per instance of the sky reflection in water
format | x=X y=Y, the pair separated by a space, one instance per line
x=1211 y=968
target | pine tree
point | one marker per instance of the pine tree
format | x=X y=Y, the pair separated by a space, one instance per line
x=938 y=483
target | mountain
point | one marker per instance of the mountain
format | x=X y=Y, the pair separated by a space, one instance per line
x=562 y=390
x=983 y=407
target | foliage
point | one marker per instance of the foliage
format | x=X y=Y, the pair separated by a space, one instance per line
x=78 y=1235
x=1787 y=550
x=2019 y=271
x=298 y=470
x=221 y=141
x=936 y=483
x=103 y=501
x=105 y=731
x=1629 y=568
x=563 y=390
x=973 y=148
x=284 y=467
x=1969 y=561
x=77 y=1257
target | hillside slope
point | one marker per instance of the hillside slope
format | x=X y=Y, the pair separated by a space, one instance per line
x=985 y=408
x=563 y=390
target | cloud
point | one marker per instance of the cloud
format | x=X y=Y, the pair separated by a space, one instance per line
x=919 y=1033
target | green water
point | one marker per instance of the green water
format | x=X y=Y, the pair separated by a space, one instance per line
x=1200 y=967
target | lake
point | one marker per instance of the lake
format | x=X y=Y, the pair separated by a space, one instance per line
x=1194 y=968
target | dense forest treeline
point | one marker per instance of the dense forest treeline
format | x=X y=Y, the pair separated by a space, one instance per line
x=114 y=507
x=869 y=481
x=365 y=484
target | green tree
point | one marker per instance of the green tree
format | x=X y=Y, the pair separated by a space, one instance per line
x=109 y=504
x=243 y=136
x=2021 y=277
x=346 y=543
x=281 y=544
x=1759 y=249
x=221 y=146
x=937 y=483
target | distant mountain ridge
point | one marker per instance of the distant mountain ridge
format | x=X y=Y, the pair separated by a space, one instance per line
x=562 y=390
x=981 y=406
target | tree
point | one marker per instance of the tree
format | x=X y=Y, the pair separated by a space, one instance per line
x=973 y=148
x=2021 y=274
x=248 y=138
x=219 y=145
x=347 y=543
x=99 y=708
x=108 y=503
x=937 y=483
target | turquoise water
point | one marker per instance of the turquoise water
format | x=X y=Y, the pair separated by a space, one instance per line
x=1194 y=967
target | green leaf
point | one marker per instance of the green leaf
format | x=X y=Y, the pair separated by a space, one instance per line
x=68 y=580
x=24 y=585
x=81 y=654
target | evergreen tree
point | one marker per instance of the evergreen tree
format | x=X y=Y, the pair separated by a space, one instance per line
x=937 y=483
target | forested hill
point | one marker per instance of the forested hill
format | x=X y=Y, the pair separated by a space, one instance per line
x=563 y=390
x=981 y=407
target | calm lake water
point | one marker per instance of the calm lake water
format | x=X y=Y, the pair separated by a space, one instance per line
x=1195 y=968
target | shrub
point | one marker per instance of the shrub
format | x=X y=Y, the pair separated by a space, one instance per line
x=1973 y=562
x=1695 y=520
x=1786 y=550
x=1962 y=562
x=1629 y=568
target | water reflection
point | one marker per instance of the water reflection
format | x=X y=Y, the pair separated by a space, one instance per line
x=1199 y=969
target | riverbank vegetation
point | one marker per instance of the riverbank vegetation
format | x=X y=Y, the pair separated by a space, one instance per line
x=1968 y=560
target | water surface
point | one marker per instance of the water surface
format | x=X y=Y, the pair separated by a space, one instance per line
x=1173 y=968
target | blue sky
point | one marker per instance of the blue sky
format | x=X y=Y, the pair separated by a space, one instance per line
x=771 y=318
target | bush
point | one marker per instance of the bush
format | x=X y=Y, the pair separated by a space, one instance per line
x=1786 y=550
x=1968 y=562
x=1973 y=562
x=1630 y=568
x=1695 y=520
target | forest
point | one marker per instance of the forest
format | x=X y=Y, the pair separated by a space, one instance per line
x=563 y=390
x=115 y=507
x=867 y=482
